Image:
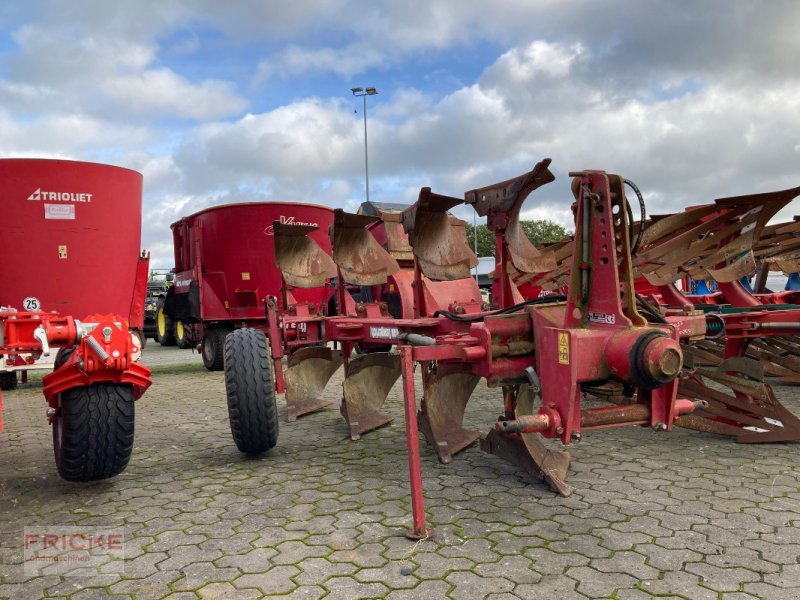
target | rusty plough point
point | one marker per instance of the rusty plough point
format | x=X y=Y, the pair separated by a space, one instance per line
x=439 y=240
x=446 y=391
x=308 y=372
x=369 y=379
x=301 y=261
x=527 y=451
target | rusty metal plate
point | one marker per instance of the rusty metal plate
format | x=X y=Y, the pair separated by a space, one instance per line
x=301 y=261
x=447 y=390
x=439 y=241
x=359 y=256
x=308 y=372
x=369 y=379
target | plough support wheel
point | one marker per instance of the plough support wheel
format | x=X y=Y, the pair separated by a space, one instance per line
x=307 y=373
x=369 y=379
x=447 y=389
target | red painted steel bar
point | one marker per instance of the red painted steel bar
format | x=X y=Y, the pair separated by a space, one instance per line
x=419 y=531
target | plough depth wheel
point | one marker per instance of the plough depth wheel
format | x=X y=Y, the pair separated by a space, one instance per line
x=369 y=379
x=93 y=431
x=249 y=389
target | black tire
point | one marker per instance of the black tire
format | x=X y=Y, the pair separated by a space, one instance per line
x=213 y=348
x=93 y=431
x=8 y=380
x=183 y=335
x=165 y=329
x=252 y=410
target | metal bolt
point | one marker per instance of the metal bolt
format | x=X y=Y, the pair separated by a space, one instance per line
x=107 y=333
x=659 y=427
x=51 y=412
x=576 y=436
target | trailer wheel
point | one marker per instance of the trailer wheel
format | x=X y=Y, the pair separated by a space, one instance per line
x=93 y=431
x=165 y=330
x=8 y=380
x=249 y=387
x=213 y=348
x=183 y=336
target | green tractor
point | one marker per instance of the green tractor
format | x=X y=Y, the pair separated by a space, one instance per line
x=157 y=324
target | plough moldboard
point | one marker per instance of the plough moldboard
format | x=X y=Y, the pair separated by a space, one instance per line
x=565 y=320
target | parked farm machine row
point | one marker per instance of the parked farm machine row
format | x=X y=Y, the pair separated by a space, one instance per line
x=592 y=333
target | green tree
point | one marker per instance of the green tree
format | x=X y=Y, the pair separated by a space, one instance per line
x=485 y=240
x=540 y=231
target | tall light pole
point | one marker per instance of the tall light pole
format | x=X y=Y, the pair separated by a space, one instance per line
x=363 y=93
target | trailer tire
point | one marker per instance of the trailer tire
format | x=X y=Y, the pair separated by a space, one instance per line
x=249 y=388
x=213 y=347
x=165 y=330
x=8 y=380
x=93 y=431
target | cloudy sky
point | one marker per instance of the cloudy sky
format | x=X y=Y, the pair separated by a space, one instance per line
x=217 y=102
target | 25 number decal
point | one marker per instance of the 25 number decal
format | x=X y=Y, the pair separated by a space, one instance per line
x=31 y=304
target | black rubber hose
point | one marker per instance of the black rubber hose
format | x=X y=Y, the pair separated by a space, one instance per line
x=638 y=193
x=503 y=311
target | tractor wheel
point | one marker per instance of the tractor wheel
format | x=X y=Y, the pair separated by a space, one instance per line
x=165 y=330
x=8 y=380
x=213 y=348
x=183 y=336
x=249 y=387
x=93 y=431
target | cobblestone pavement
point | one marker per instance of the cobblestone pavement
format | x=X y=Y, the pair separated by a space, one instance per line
x=679 y=515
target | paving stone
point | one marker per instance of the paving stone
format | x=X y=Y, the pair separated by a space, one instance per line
x=290 y=553
x=198 y=574
x=425 y=589
x=597 y=584
x=772 y=592
x=346 y=588
x=519 y=566
x=152 y=587
x=470 y=585
x=224 y=591
x=277 y=580
x=551 y=586
x=721 y=579
x=318 y=570
x=547 y=562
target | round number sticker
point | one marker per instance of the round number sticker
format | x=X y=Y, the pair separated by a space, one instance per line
x=31 y=304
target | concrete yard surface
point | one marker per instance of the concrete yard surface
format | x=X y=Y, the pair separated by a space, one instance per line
x=654 y=515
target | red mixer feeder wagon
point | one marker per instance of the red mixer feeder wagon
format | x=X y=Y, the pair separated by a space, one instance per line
x=225 y=269
x=77 y=228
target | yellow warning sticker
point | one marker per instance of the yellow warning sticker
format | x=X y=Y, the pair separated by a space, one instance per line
x=563 y=348
x=246 y=276
x=62 y=251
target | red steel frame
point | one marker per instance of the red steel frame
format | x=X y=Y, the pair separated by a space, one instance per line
x=105 y=350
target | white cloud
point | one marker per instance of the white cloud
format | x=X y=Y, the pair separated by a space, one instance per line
x=346 y=62
x=160 y=92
